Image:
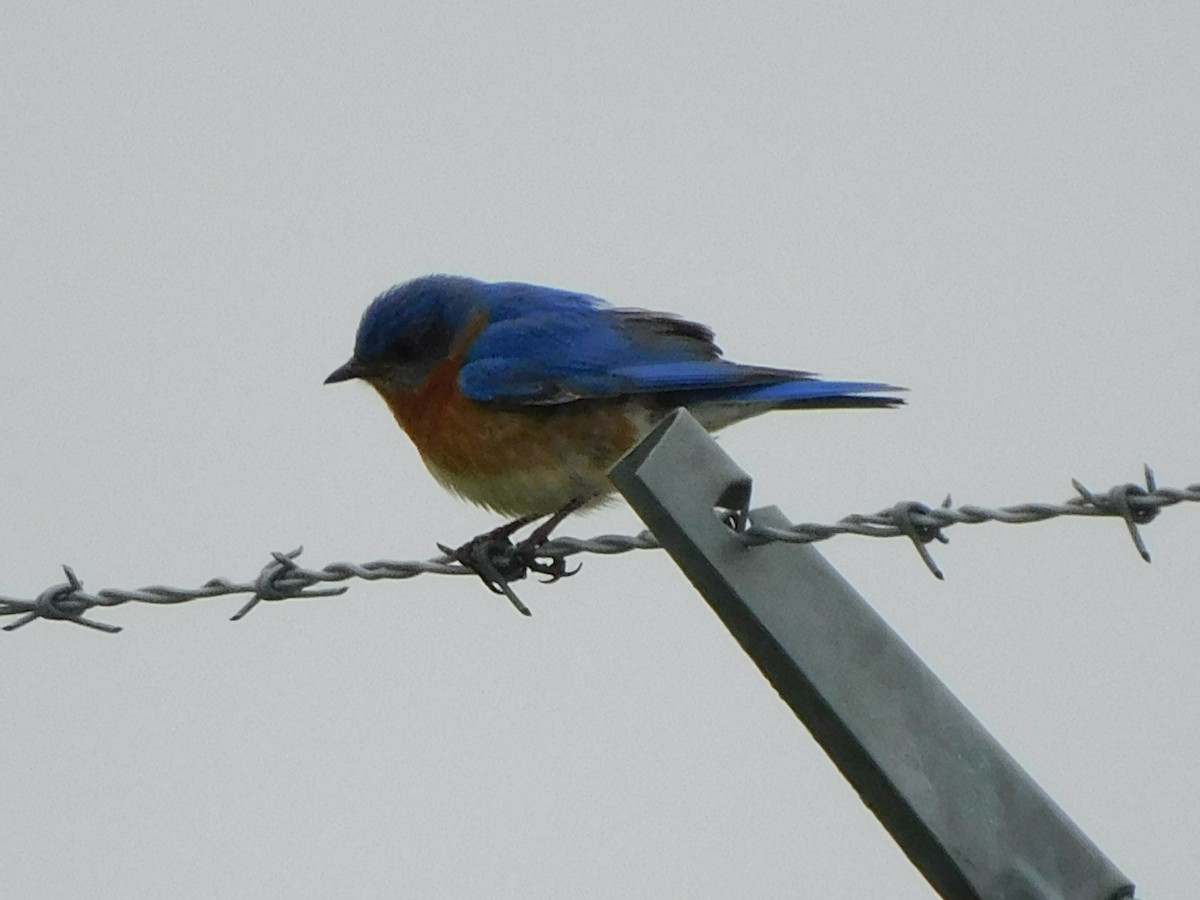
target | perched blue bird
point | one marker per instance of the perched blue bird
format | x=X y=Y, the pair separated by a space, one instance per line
x=521 y=397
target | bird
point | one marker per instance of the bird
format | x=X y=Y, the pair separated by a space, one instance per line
x=520 y=397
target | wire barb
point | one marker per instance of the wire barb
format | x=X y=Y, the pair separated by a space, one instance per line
x=62 y=601
x=284 y=579
x=496 y=566
x=921 y=531
x=1119 y=501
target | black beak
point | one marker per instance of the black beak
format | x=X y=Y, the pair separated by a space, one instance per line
x=352 y=369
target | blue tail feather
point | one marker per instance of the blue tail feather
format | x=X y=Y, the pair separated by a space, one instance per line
x=801 y=394
x=810 y=390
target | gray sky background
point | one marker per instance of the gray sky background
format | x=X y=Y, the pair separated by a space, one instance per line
x=996 y=206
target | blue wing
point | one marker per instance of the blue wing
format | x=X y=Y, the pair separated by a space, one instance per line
x=544 y=346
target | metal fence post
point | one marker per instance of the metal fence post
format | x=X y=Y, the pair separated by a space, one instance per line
x=966 y=814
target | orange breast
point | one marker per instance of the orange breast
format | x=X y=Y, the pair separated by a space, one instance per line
x=514 y=461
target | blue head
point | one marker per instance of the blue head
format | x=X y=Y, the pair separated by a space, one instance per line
x=410 y=328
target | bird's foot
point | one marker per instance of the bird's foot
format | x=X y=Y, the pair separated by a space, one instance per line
x=494 y=559
x=553 y=567
x=498 y=561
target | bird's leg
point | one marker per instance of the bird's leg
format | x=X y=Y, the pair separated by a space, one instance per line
x=527 y=550
x=507 y=530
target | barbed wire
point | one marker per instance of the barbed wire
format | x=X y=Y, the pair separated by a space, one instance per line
x=284 y=579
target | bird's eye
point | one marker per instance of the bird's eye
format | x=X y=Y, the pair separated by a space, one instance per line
x=403 y=349
x=430 y=343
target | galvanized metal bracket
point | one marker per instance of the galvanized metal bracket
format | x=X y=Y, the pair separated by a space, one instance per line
x=967 y=815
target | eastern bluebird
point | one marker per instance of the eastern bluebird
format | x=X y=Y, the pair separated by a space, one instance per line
x=520 y=397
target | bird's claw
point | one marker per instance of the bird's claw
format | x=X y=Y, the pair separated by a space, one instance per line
x=554 y=568
x=498 y=561
x=494 y=558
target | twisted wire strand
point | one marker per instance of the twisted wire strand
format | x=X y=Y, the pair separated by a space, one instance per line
x=283 y=578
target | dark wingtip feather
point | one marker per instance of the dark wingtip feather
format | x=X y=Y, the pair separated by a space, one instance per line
x=845 y=402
